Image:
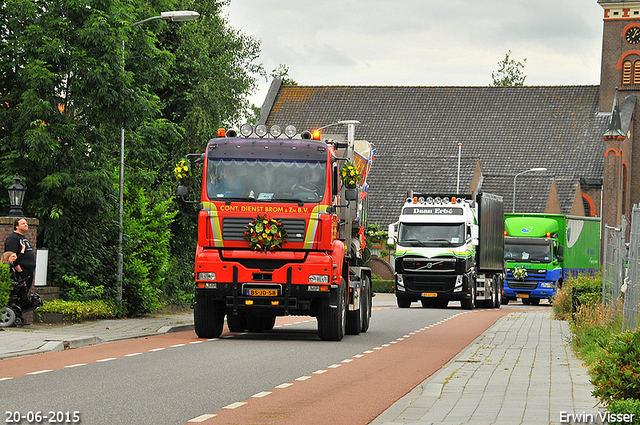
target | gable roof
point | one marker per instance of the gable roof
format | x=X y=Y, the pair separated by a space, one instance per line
x=416 y=131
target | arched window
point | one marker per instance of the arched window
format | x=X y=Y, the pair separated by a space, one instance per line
x=589 y=206
x=631 y=72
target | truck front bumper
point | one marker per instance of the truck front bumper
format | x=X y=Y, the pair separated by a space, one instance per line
x=445 y=287
x=514 y=289
x=281 y=299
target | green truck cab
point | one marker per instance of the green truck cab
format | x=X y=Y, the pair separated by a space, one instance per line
x=542 y=250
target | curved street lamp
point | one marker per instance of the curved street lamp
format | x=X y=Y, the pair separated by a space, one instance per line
x=532 y=170
x=176 y=16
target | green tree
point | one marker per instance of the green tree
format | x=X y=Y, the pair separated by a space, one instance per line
x=509 y=72
x=67 y=89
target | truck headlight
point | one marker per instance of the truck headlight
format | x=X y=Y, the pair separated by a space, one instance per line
x=458 y=285
x=399 y=282
x=206 y=276
x=546 y=285
x=318 y=278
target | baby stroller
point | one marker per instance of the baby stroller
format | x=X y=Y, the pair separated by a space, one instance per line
x=13 y=314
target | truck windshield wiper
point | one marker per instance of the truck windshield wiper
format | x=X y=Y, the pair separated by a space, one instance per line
x=413 y=241
x=448 y=242
x=228 y=199
x=292 y=200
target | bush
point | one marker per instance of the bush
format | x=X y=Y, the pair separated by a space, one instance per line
x=626 y=406
x=616 y=374
x=79 y=290
x=81 y=310
x=5 y=284
x=380 y=285
x=587 y=289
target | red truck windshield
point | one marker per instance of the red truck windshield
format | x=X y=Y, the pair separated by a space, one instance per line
x=266 y=179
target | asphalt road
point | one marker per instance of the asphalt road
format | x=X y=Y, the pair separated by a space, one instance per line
x=175 y=378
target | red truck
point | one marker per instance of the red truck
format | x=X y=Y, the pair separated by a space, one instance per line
x=281 y=225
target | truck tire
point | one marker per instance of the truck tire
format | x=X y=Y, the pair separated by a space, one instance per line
x=404 y=302
x=368 y=297
x=498 y=300
x=208 y=316
x=470 y=304
x=236 y=322
x=354 y=318
x=333 y=321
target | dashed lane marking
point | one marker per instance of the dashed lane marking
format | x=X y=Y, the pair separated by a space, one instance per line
x=202 y=418
x=38 y=372
x=235 y=405
x=262 y=394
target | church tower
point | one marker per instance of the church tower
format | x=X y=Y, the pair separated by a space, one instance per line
x=620 y=82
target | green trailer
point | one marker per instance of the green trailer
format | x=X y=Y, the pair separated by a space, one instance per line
x=542 y=250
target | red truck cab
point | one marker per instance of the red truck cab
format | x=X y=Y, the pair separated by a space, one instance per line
x=289 y=190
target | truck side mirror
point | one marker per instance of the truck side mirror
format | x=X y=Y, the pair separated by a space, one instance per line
x=391 y=230
x=351 y=194
x=182 y=191
x=560 y=250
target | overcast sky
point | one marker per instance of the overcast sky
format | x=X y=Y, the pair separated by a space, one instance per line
x=423 y=42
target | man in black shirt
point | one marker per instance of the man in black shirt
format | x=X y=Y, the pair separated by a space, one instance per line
x=13 y=244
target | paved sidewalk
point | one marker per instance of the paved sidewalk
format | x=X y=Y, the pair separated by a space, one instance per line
x=520 y=371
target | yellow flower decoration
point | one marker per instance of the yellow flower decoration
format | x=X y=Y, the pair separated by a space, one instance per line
x=350 y=176
x=181 y=169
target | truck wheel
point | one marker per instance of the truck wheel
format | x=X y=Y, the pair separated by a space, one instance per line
x=236 y=322
x=498 y=300
x=354 y=318
x=470 y=303
x=404 y=302
x=333 y=321
x=208 y=316
x=366 y=318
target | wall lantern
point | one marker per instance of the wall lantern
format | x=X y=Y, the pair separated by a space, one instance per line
x=16 y=196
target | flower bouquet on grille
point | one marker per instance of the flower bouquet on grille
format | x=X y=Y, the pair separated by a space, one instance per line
x=265 y=234
x=519 y=273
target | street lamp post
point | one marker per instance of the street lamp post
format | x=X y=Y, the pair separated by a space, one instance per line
x=176 y=16
x=532 y=170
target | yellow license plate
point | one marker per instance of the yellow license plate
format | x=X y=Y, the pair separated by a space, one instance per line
x=262 y=292
x=522 y=295
x=429 y=294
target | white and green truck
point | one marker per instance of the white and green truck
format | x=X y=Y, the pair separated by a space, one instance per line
x=449 y=248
